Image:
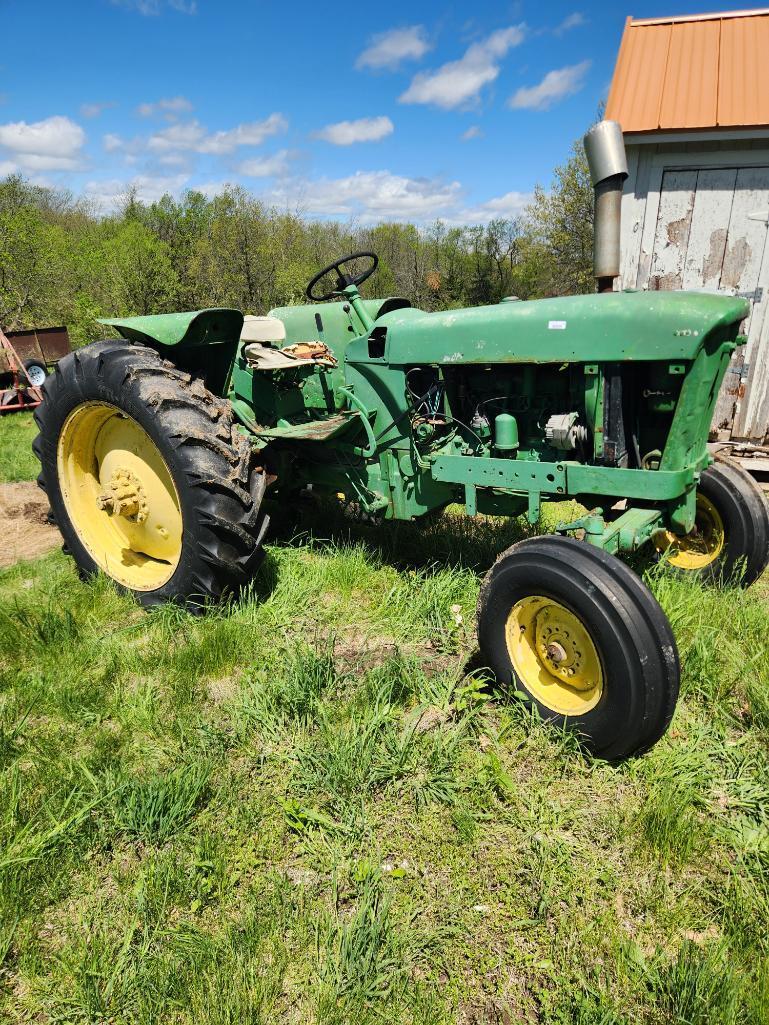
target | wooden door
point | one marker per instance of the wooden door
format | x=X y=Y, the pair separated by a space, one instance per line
x=711 y=235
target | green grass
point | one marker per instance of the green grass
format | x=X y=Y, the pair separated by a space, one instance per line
x=156 y=807
x=304 y=807
x=17 y=432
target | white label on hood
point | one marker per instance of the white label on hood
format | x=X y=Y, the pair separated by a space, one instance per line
x=556 y=325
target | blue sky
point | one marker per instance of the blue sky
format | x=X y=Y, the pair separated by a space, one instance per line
x=386 y=111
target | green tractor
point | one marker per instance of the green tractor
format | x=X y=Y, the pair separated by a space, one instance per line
x=158 y=449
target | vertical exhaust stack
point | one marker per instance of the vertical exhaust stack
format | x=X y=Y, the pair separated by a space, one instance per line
x=605 y=151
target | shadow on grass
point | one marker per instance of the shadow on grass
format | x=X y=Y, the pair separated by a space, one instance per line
x=447 y=538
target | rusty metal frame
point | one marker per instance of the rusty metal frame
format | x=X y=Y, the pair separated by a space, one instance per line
x=16 y=368
x=47 y=344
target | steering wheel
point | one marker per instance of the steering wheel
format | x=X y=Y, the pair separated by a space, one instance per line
x=342 y=280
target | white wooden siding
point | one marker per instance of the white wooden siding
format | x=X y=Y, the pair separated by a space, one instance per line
x=672 y=230
x=692 y=218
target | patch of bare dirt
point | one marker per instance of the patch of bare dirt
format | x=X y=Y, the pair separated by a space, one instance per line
x=222 y=690
x=430 y=718
x=354 y=647
x=25 y=532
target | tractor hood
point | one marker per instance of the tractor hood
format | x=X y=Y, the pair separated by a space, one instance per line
x=581 y=328
x=200 y=327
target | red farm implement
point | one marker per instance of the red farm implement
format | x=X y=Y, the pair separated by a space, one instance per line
x=25 y=357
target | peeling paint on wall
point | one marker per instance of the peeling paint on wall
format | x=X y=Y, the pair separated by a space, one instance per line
x=678 y=231
x=713 y=261
x=699 y=230
x=736 y=259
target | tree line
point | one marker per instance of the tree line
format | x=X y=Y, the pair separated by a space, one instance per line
x=61 y=262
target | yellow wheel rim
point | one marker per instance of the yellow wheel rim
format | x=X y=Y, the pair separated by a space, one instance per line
x=699 y=548
x=120 y=496
x=554 y=656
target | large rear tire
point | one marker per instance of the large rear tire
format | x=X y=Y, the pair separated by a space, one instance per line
x=730 y=539
x=148 y=477
x=583 y=640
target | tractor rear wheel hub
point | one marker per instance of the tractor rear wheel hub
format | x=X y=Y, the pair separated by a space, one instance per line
x=124 y=496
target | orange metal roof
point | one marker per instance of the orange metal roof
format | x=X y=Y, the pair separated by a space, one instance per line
x=702 y=71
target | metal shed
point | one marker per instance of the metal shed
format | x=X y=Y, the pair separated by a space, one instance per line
x=692 y=96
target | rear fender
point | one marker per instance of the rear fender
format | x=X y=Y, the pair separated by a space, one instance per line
x=183 y=330
x=202 y=342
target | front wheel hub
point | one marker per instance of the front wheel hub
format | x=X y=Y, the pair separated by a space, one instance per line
x=702 y=546
x=554 y=656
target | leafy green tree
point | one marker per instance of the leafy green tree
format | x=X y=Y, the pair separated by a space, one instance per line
x=233 y=262
x=560 y=225
x=34 y=265
x=140 y=271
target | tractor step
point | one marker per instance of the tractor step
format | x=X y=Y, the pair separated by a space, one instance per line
x=312 y=430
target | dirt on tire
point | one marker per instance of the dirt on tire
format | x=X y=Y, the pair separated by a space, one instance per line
x=25 y=532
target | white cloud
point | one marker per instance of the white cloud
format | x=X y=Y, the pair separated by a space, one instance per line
x=390 y=49
x=554 y=87
x=40 y=162
x=366 y=196
x=108 y=193
x=265 y=167
x=571 y=21
x=171 y=105
x=473 y=132
x=508 y=206
x=169 y=159
x=154 y=7
x=369 y=196
x=212 y=189
x=175 y=145
x=182 y=135
x=55 y=136
x=459 y=82
x=365 y=129
x=94 y=109
x=373 y=196
x=252 y=134
x=7 y=167
x=53 y=144
x=191 y=135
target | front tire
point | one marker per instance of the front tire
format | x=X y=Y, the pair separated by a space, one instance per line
x=148 y=477
x=583 y=640
x=730 y=539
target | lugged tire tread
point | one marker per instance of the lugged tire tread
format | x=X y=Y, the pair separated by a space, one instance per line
x=758 y=505
x=735 y=494
x=214 y=456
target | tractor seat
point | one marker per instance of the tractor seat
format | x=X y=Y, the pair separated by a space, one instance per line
x=267 y=330
x=261 y=338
